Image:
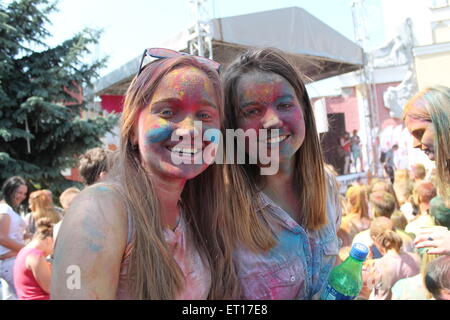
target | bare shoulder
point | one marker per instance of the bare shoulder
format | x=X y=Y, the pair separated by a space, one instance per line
x=92 y=240
x=99 y=203
x=33 y=259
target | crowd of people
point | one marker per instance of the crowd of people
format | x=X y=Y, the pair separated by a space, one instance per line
x=350 y=149
x=27 y=236
x=154 y=223
x=390 y=220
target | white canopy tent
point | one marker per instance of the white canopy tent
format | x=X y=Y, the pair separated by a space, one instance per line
x=317 y=49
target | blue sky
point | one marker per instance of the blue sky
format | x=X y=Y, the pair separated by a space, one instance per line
x=129 y=26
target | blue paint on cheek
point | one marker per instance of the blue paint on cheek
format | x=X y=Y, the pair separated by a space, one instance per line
x=288 y=150
x=159 y=134
x=212 y=135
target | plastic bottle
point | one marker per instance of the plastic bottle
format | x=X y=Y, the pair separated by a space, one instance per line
x=345 y=280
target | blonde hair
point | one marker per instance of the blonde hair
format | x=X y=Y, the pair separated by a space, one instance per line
x=424 y=261
x=399 y=220
x=357 y=199
x=389 y=239
x=250 y=228
x=401 y=175
x=435 y=101
x=419 y=170
x=403 y=191
x=66 y=198
x=41 y=204
x=154 y=273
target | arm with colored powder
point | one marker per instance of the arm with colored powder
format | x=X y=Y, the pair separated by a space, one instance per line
x=90 y=247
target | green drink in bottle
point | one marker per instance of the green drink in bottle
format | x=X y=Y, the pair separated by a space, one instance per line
x=345 y=280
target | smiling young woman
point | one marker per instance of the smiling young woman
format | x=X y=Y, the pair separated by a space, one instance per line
x=427 y=117
x=156 y=228
x=285 y=223
x=12 y=227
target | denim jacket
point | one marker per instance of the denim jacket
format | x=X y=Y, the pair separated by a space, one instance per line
x=299 y=265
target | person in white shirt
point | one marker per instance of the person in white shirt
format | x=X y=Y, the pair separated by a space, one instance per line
x=12 y=228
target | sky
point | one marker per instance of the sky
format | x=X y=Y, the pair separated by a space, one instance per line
x=129 y=26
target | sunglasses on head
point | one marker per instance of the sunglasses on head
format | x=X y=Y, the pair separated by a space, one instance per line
x=162 y=53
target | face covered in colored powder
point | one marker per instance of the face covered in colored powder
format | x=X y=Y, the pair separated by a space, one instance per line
x=183 y=96
x=422 y=130
x=268 y=101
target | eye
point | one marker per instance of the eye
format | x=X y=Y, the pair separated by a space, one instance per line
x=251 y=112
x=204 y=116
x=166 y=113
x=285 y=106
x=418 y=133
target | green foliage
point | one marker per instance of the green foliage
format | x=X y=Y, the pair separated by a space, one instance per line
x=38 y=89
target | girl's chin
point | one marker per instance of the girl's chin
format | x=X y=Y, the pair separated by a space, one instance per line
x=181 y=171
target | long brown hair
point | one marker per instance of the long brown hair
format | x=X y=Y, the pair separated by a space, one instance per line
x=435 y=101
x=246 y=180
x=41 y=204
x=154 y=273
x=357 y=198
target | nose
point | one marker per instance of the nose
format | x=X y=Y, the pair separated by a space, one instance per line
x=271 y=120
x=188 y=128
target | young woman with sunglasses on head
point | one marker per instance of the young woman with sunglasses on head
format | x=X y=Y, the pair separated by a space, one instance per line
x=155 y=229
x=286 y=223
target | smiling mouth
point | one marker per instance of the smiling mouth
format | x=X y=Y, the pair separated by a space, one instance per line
x=276 y=139
x=184 y=151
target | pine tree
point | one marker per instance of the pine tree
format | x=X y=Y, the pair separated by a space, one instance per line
x=41 y=128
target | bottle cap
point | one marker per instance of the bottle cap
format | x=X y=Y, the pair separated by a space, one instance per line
x=359 y=251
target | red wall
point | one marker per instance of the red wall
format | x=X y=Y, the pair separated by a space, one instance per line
x=383 y=112
x=349 y=106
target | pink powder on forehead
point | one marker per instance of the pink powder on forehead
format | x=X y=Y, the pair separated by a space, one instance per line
x=188 y=76
x=265 y=92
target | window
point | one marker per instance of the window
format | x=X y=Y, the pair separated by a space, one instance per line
x=439 y=3
x=441 y=31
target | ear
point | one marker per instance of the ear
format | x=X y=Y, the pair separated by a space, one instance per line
x=102 y=175
x=444 y=294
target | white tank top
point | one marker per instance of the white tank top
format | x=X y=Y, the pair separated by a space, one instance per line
x=16 y=226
